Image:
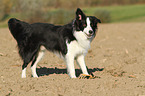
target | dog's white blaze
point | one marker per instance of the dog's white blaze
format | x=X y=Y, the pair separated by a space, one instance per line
x=88 y=28
x=24 y=73
x=40 y=55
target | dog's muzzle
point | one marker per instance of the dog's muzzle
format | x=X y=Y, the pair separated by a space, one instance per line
x=90 y=35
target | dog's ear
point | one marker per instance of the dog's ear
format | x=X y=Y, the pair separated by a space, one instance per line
x=98 y=20
x=80 y=15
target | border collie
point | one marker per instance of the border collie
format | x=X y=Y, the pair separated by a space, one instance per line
x=71 y=41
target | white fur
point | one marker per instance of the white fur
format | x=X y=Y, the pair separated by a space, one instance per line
x=40 y=55
x=81 y=62
x=24 y=73
x=78 y=49
x=88 y=28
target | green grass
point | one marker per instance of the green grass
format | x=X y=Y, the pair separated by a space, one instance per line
x=128 y=13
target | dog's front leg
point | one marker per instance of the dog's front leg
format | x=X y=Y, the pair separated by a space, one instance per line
x=81 y=62
x=70 y=66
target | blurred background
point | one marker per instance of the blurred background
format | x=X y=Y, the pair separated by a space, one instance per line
x=63 y=11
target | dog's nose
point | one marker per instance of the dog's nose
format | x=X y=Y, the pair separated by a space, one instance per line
x=91 y=32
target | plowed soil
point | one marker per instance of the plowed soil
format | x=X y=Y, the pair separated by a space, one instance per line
x=117 y=56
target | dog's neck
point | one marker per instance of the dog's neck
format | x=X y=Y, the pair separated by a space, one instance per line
x=82 y=40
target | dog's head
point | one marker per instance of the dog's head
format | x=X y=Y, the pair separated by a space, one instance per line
x=86 y=24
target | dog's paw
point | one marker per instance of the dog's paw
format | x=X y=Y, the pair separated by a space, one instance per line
x=84 y=76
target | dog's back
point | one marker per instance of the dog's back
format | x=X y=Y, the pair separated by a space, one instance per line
x=30 y=37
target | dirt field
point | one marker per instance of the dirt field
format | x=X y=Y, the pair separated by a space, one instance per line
x=117 y=56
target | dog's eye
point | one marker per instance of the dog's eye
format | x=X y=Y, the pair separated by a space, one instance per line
x=91 y=24
x=84 y=25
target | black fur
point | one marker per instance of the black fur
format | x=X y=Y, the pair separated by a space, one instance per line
x=30 y=37
x=80 y=22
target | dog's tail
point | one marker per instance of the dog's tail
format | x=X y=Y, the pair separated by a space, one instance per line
x=20 y=30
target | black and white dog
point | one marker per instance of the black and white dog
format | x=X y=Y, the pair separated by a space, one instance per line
x=71 y=41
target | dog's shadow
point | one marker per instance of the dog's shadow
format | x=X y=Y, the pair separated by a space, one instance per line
x=47 y=71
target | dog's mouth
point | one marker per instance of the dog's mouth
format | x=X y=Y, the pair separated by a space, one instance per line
x=89 y=35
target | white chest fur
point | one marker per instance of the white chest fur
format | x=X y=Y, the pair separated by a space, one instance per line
x=79 y=46
x=77 y=49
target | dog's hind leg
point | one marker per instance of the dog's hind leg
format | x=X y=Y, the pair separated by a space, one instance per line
x=36 y=60
x=24 y=70
x=26 y=60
